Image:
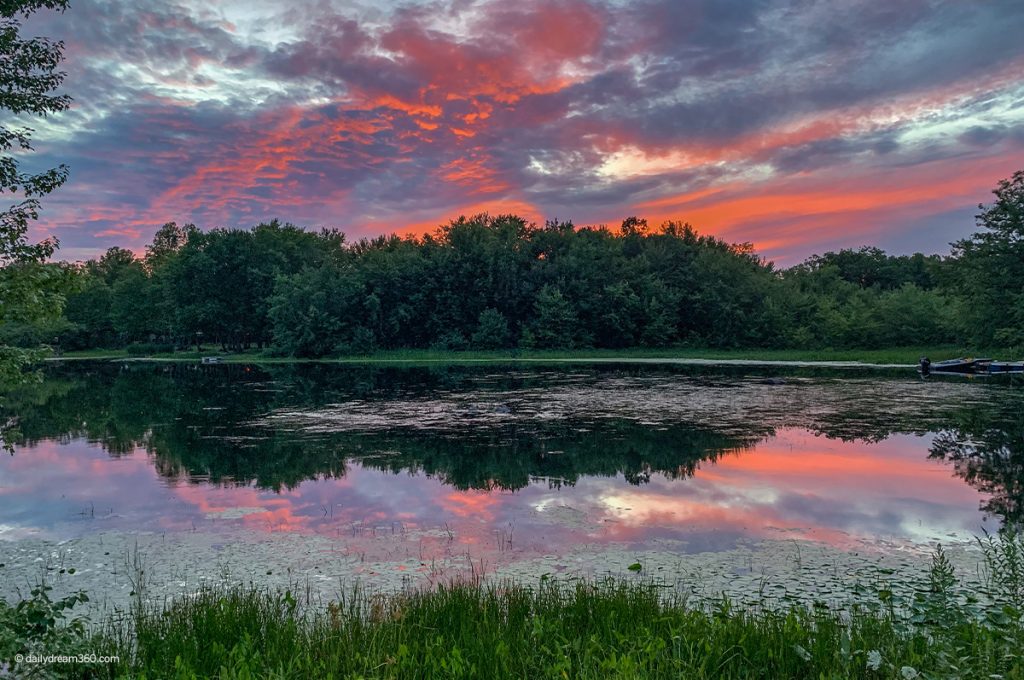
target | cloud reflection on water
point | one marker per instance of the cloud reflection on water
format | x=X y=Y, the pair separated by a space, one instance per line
x=792 y=485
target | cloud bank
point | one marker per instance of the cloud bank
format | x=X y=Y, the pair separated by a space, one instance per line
x=798 y=125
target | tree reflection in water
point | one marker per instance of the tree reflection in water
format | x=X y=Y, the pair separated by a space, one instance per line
x=224 y=424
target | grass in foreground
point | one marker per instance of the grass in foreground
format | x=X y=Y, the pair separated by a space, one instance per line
x=609 y=630
x=580 y=632
x=895 y=355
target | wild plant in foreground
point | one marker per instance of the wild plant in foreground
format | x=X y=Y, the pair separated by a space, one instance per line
x=604 y=629
x=1004 y=560
x=41 y=626
x=598 y=630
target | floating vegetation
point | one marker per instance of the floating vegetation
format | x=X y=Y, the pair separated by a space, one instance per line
x=854 y=407
x=554 y=628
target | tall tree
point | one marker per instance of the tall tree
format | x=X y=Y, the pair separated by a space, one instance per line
x=29 y=75
x=991 y=268
x=556 y=325
x=167 y=241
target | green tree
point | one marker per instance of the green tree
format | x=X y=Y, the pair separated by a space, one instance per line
x=492 y=331
x=556 y=325
x=871 y=267
x=111 y=303
x=29 y=75
x=164 y=250
x=618 y=321
x=89 y=311
x=659 y=317
x=167 y=241
x=220 y=286
x=134 y=306
x=910 y=315
x=315 y=311
x=990 y=269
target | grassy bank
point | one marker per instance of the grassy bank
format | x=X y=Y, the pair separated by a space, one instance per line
x=895 y=355
x=567 y=630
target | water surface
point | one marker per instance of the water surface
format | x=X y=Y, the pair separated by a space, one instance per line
x=397 y=468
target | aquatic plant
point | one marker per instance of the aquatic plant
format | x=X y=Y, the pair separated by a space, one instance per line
x=583 y=629
x=948 y=627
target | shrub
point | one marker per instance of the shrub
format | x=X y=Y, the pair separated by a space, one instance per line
x=453 y=341
x=40 y=626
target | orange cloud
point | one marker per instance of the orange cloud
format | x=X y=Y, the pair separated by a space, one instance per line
x=835 y=204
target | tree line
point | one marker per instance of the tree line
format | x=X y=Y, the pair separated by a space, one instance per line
x=500 y=282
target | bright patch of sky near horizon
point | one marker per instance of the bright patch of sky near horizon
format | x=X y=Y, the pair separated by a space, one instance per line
x=798 y=125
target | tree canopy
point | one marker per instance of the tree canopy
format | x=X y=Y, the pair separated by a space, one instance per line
x=29 y=77
x=990 y=268
x=494 y=282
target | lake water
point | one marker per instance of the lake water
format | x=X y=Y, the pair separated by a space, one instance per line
x=413 y=475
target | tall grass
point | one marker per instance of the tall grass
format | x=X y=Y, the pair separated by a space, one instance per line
x=609 y=629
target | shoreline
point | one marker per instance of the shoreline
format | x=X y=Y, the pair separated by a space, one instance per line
x=898 y=358
x=655 y=361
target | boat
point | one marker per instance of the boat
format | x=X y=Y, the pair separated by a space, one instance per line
x=1006 y=367
x=969 y=366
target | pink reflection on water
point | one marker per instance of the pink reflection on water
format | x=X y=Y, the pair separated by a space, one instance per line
x=802 y=486
x=794 y=485
x=471 y=504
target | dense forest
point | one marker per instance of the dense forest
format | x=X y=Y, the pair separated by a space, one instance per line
x=498 y=282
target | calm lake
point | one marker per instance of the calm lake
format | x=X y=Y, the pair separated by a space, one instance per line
x=408 y=475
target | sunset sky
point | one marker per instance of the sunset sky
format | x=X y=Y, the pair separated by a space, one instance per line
x=799 y=125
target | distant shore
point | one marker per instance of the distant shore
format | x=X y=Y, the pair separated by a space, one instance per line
x=897 y=357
